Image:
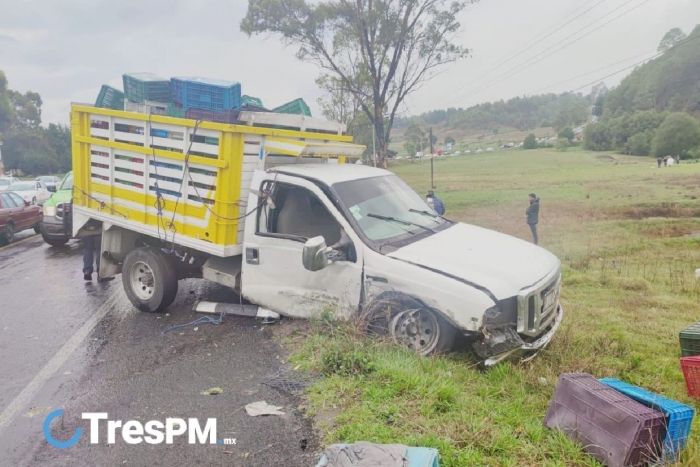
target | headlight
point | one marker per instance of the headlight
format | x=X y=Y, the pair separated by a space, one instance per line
x=50 y=211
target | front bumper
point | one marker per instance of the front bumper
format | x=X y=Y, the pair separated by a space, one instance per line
x=529 y=350
x=54 y=228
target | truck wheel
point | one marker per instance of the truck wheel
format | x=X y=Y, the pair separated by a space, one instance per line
x=149 y=279
x=408 y=322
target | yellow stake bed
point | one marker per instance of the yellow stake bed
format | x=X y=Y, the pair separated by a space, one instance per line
x=185 y=181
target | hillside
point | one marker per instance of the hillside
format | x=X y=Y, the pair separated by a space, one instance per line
x=668 y=83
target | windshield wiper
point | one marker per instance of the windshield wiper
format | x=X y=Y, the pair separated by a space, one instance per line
x=431 y=215
x=401 y=221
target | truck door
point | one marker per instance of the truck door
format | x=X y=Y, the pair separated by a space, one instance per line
x=273 y=275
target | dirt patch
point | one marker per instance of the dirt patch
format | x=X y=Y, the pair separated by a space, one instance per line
x=290 y=333
x=669 y=231
x=607 y=159
x=660 y=210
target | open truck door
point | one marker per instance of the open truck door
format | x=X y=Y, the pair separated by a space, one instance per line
x=300 y=256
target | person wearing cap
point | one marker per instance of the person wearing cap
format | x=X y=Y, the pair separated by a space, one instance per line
x=435 y=203
x=533 y=216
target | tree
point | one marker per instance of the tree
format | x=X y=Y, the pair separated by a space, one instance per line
x=27 y=108
x=598 y=106
x=678 y=135
x=381 y=51
x=639 y=144
x=562 y=144
x=596 y=137
x=671 y=38
x=530 y=142
x=450 y=140
x=338 y=105
x=7 y=113
x=58 y=138
x=29 y=152
x=416 y=138
x=567 y=133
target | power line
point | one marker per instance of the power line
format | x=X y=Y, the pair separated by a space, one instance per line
x=528 y=47
x=527 y=64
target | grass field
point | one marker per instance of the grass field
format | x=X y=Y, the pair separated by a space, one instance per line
x=627 y=234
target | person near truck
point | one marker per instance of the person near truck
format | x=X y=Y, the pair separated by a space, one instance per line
x=533 y=216
x=435 y=203
x=91 y=253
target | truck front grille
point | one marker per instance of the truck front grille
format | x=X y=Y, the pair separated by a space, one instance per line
x=537 y=307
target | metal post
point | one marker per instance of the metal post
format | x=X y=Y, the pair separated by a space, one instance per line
x=430 y=132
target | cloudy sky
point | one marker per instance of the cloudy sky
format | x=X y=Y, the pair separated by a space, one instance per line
x=66 y=49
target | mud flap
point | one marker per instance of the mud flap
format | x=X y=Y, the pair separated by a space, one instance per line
x=497 y=341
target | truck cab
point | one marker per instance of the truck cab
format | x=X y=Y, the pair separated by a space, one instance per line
x=357 y=241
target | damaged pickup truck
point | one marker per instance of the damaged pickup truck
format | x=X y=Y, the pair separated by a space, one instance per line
x=279 y=217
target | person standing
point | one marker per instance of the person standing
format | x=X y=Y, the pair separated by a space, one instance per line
x=659 y=160
x=533 y=216
x=92 y=245
x=678 y=160
x=435 y=203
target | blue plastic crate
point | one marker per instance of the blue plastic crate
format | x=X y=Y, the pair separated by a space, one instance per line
x=417 y=457
x=206 y=94
x=141 y=87
x=679 y=417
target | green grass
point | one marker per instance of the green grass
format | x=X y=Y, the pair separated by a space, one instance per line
x=627 y=235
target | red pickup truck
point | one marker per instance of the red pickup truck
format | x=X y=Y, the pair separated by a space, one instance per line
x=16 y=215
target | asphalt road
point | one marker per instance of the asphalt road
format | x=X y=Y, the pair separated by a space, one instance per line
x=81 y=347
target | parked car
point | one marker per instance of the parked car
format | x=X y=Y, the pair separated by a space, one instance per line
x=489 y=149
x=34 y=192
x=56 y=223
x=51 y=181
x=479 y=151
x=7 y=181
x=16 y=215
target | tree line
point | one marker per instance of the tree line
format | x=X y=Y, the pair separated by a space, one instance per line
x=27 y=147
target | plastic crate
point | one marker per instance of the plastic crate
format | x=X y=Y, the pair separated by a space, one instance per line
x=690 y=340
x=613 y=428
x=141 y=87
x=679 y=417
x=206 y=94
x=110 y=98
x=691 y=373
x=226 y=116
x=297 y=107
x=148 y=107
x=416 y=456
x=176 y=111
x=252 y=101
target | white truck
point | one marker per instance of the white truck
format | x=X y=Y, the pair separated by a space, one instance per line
x=268 y=207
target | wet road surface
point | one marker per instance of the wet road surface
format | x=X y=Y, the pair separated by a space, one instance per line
x=81 y=347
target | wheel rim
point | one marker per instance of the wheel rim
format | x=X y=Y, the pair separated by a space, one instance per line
x=142 y=280
x=416 y=329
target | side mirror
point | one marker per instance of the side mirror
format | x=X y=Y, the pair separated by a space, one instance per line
x=314 y=256
x=51 y=188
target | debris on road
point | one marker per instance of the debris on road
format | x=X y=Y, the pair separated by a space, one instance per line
x=212 y=392
x=365 y=454
x=255 y=409
x=236 y=310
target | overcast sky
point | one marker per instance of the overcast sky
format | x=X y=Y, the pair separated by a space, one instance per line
x=66 y=49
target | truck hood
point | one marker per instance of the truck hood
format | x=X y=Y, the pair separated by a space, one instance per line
x=61 y=196
x=497 y=263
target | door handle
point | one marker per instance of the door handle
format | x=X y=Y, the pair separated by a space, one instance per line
x=252 y=256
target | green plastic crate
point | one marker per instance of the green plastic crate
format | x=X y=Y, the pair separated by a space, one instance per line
x=297 y=107
x=175 y=111
x=140 y=87
x=690 y=340
x=110 y=98
x=250 y=100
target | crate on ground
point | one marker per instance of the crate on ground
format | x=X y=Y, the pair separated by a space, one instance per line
x=297 y=106
x=206 y=94
x=110 y=98
x=147 y=107
x=225 y=116
x=679 y=417
x=252 y=101
x=613 y=428
x=690 y=340
x=140 y=87
x=691 y=373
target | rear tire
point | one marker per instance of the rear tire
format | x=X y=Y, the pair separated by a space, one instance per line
x=9 y=235
x=52 y=241
x=149 y=279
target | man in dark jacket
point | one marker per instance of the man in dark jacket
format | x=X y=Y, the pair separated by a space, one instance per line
x=436 y=203
x=533 y=215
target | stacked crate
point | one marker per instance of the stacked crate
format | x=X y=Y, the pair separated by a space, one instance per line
x=297 y=107
x=141 y=87
x=147 y=107
x=252 y=101
x=206 y=94
x=110 y=98
x=690 y=340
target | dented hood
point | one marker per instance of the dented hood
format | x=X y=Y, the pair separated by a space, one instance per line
x=497 y=262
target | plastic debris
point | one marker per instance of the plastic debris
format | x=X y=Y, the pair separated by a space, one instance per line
x=255 y=409
x=212 y=392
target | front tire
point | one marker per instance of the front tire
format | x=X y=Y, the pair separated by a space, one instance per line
x=9 y=235
x=52 y=241
x=150 y=279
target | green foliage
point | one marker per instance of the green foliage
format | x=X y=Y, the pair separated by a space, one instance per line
x=345 y=357
x=27 y=108
x=29 y=152
x=669 y=82
x=450 y=140
x=617 y=133
x=679 y=135
x=530 y=142
x=639 y=144
x=670 y=39
x=566 y=133
x=562 y=144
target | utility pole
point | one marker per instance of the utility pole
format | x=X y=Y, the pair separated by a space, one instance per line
x=430 y=138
